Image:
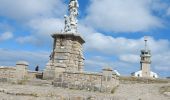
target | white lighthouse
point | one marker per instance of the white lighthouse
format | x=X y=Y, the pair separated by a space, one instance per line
x=145 y=63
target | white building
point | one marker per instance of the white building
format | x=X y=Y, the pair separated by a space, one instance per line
x=145 y=64
x=139 y=74
x=116 y=72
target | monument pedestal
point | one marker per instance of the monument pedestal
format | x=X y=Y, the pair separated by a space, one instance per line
x=67 y=55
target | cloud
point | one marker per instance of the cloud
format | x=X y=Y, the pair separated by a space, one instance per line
x=120 y=53
x=111 y=45
x=6 y=36
x=10 y=57
x=97 y=63
x=4 y=26
x=161 y=61
x=122 y=15
x=129 y=58
x=46 y=26
x=28 y=39
x=125 y=52
x=25 y=10
x=168 y=11
x=122 y=45
x=41 y=31
x=41 y=17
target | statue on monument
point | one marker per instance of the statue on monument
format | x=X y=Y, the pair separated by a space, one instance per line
x=71 y=20
x=67 y=23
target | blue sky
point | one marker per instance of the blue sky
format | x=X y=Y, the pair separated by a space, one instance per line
x=113 y=30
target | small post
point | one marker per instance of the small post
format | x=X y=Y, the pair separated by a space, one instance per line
x=101 y=83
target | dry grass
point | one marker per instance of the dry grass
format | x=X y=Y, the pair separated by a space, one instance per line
x=142 y=80
x=164 y=89
x=114 y=89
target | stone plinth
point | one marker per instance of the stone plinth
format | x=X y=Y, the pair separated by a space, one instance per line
x=67 y=55
x=21 y=70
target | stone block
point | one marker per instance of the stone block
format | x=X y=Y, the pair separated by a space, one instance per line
x=21 y=69
x=49 y=74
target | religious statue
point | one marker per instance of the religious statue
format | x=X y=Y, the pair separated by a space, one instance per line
x=73 y=7
x=67 y=24
x=71 y=20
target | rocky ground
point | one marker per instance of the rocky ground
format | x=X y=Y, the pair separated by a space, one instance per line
x=142 y=92
x=46 y=91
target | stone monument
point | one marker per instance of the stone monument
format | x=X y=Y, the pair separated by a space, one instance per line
x=67 y=53
x=65 y=67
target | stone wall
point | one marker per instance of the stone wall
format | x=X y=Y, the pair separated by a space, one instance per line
x=34 y=75
x=7 y=73
x=87 y=81
x=17 y=72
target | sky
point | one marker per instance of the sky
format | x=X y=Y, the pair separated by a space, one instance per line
x=114 y=32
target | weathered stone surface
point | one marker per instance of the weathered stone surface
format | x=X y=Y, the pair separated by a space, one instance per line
x=21 y=70
x=88 y=81
x=43 y=90
x=18 y=72
x=67 y=53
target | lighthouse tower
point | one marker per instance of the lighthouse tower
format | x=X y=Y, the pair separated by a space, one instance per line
x=145 y=63
x=145 y=60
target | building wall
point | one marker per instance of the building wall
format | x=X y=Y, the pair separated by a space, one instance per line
x=139 y=74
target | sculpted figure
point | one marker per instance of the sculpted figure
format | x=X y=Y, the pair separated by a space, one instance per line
x=67 y=24
x=71 y=20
